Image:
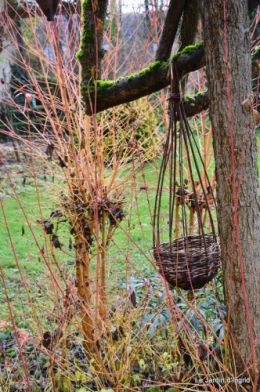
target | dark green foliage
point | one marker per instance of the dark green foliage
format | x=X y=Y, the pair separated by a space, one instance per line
x=157 y=320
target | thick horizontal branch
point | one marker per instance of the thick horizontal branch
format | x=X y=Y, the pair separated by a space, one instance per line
x=155 y=78
x=196 y=104
x=144 y=82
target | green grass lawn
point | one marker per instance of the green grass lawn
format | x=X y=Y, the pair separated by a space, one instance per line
x=22 y=214
x=129 y=252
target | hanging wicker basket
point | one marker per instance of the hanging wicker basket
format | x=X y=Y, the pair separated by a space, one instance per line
x=189 y=262
x=191 y=257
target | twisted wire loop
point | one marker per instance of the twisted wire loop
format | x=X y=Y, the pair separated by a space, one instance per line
x=190 y=257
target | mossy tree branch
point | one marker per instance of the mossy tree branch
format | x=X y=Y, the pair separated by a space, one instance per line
x=154 y=78
x=144 y=82
x=196 y=103
x=100 y=95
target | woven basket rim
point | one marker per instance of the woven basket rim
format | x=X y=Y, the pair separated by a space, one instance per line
x=177 y=246
x=193 y=236
x=186 y=269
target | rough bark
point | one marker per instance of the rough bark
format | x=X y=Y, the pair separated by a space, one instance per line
x=228 y=61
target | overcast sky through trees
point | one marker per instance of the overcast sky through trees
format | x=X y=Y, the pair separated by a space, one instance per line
x=130 y=6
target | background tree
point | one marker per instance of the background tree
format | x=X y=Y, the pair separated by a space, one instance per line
x=8 y=57
x=229 y=78
x=7 y=53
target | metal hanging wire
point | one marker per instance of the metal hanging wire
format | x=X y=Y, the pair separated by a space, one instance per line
x=191 y=256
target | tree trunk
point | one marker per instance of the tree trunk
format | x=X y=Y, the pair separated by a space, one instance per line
x=91 y=52
x=228 y=61
x=7 y=59
x=7 y=52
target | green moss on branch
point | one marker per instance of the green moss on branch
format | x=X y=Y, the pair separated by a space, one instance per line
x=188 y=50
x=147 y=81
